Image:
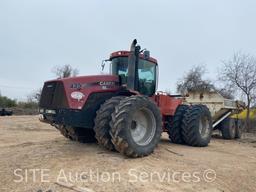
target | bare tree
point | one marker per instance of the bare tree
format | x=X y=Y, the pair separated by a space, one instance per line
x=226 y=92
x=35 y=96
x=65 y=71
x=240 y=73
x=254 y=99
x=193 y=81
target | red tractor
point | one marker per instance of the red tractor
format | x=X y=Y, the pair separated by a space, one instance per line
x=123 y=111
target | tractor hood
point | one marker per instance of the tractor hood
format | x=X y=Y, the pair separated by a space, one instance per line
x=73 y=92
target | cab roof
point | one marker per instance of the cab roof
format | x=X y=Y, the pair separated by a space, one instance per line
x=127 y=53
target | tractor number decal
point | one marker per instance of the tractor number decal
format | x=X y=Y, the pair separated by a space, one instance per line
x=103 y=84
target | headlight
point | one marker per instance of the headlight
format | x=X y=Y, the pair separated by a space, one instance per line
x=50 y=111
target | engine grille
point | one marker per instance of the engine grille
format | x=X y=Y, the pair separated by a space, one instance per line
x=53 y=96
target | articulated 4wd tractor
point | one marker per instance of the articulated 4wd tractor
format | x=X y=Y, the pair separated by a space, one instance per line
x=123 y=111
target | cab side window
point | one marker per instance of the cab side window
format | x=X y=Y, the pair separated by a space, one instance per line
x=147 y=77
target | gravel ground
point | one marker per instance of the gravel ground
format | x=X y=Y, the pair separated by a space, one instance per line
x=35 y=157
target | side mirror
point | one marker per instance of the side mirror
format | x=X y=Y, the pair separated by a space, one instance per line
x=103 y=63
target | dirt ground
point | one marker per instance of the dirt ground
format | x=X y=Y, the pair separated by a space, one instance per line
x=35 y=157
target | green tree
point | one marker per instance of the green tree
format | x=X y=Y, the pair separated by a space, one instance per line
x=7 y=102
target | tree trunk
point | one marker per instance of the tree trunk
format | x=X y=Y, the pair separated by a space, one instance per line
x=247 y=122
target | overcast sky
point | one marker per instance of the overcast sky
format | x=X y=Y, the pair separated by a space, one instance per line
x=36 y=35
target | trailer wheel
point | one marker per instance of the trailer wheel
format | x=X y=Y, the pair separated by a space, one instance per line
x=102 y=120
x=136 y=126
x=197 y=126
x=228 y=128
x=174 y=129
x=239 y=127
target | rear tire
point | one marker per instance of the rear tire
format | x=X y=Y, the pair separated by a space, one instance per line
x=136 y=126
x=174 y=128
x=197 y=126
x=228 y=128
x=102 y=121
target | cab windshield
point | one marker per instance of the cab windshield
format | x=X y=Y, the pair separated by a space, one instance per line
x=146 y=74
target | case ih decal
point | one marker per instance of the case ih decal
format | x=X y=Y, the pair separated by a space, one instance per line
x=103 y=84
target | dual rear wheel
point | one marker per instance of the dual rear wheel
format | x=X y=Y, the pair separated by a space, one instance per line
x=192 y=125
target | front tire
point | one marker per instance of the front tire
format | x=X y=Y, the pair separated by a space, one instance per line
x=101 y=122
x=136 y=126
x=197 y=126
x=79 y=134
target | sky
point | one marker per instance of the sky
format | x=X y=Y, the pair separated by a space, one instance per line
x=37 y=35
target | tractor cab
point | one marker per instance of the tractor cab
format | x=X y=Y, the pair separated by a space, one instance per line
x=136 y=70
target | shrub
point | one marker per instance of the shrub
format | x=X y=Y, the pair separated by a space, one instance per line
x=7 y=102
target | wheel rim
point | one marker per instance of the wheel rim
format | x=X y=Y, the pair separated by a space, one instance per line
x=143 y=126
x=204 y=127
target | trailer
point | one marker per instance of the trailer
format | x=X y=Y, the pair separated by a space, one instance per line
x=224 y=112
